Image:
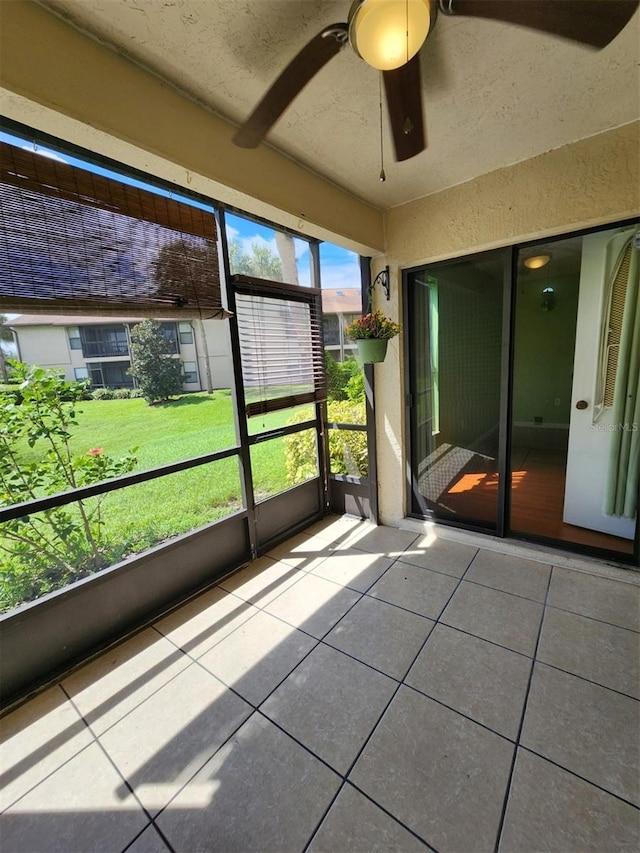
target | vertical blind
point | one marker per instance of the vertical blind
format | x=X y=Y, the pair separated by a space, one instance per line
x=281 y=348
x=73 y=240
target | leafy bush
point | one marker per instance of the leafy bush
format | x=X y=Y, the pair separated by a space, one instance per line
x=121 y=394
x=135 y=393
x=355 y=388
x=102 y=394
x=53 y=547
x=338 y=374
x=347 y=449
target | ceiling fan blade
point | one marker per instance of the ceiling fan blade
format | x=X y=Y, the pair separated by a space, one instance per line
x=403 y=88
x=290 y=83
x=593 y=22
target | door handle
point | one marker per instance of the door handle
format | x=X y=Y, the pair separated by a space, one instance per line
x=582 y=404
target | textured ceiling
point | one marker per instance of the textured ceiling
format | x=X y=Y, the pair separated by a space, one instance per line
x=494 y=94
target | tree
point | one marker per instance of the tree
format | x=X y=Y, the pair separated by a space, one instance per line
x=261 y=262
x=158 y=373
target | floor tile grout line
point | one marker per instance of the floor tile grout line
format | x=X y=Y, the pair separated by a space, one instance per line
x=348 y=783
x=186 y=651
x=506 y=591
x=188 y=781
x=385 y=709
x=484 y=639
x=142 y=701
x=588 y=680
x=119 y=773
x=164 y=838
x=391 y=815
x=55 y=770
x=510 y=740
x=593 y=618
x=300 y=743
x=507 y=794
x=590 y=782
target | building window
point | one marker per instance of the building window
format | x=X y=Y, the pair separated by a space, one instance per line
x=170 y=334
x=81 y=373
x=73 y=333
x=190 y=372
x=185 y=333
x=331 y=329
x=104 y=341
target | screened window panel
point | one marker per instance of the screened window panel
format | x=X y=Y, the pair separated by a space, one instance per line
x=281 y=350
x=71 y=240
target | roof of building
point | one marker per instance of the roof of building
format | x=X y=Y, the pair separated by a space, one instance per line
x=344 y=300
x=73 y=320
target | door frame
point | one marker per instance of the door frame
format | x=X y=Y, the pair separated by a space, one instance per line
x=503 y=529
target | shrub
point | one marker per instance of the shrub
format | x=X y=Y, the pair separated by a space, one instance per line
x=355 y=388
x=338 y=374
x=102 y=394
x=47 y=549
x=347 y=449
x=121 y=394
x=136 y=393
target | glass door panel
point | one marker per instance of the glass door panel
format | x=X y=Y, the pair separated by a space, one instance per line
x=576 y=311
x=455 y=333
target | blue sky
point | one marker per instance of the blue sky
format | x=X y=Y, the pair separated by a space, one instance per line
x=339 y=266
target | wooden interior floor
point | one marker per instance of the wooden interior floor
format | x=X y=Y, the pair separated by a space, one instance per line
x=537 y=500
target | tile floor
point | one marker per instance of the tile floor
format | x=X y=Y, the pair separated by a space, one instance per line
x=358 y=689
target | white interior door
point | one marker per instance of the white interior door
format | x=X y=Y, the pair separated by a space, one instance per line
x=589 y=440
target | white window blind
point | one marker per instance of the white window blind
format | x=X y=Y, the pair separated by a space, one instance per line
x=280 y=346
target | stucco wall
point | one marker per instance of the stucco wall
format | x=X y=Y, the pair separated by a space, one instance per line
x=591 y=182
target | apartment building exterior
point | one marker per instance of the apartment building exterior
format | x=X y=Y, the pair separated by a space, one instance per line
x=99 y=348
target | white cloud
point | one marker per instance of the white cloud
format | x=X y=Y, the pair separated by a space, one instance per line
x=340 y=276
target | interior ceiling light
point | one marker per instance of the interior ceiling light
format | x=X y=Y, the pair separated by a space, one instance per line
x=388 y=33
x=537 y=262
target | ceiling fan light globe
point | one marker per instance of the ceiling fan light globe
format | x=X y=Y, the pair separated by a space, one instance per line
x=388 y=33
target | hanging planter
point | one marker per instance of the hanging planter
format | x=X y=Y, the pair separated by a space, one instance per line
x=372 y=350
x=372 y=333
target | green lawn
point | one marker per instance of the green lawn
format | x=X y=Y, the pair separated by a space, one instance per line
x=140 y=516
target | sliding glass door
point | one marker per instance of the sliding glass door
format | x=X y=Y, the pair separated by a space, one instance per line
x=455 y=331
x=524 y=401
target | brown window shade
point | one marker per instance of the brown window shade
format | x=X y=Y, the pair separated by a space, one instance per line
x=616 y=311
x=280 y=344
x=72 y=240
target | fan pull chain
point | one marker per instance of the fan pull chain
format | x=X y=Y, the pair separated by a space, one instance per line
x=383 y=177
x=406 y=9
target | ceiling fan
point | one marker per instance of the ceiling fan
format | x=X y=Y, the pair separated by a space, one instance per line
x=388 y=35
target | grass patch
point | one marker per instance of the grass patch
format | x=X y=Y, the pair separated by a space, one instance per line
x=138 y=517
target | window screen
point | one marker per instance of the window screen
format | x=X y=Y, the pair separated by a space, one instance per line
x=72 y=239
x=280 y=345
